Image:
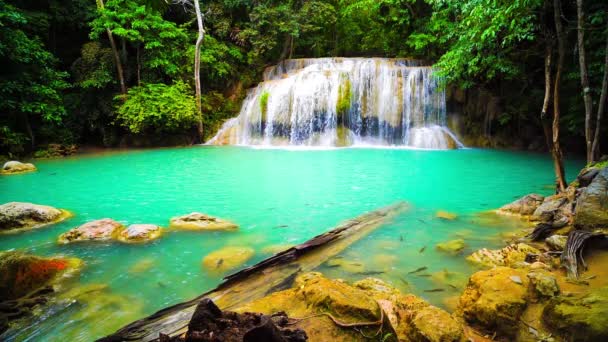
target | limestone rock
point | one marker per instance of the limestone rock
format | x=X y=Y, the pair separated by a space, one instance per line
x=524 y=206
x=198 y=221
x=99 y=230
x=579 y=318
x=451 y=247
x=434 y=324
x=549 y=210
x=592 y=204
x=444 y=215
x=14 y=167
x=544 y=284
x=512 y=255
x=20 y=215
x=493 y=301
x=556 y=242
x=140 y=233
x=227 y=258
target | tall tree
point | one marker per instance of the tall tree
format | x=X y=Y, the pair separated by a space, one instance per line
x=117 y=61
x=595 y=147
x=561 y=51
x=582 y=59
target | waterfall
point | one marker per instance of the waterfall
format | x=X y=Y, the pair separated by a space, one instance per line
x=343 y=102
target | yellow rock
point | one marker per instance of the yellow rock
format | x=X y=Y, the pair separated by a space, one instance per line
x=143 y=265
x=444 y=215
x=451 y=247
x=227 y=258
x=198 y=221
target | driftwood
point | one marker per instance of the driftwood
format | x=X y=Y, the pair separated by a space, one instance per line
x=270 y=275
x=573 y=253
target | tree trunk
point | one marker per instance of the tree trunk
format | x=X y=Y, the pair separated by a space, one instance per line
x=547 y=99
x=119 y=70
x=595 y=148
x=557 y=152
x=138 y=65
x=584 y=79
x=197 y=68
x=28 y=129
x=286 y=48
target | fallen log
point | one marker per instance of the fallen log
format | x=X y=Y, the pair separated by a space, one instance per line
x=270 y=275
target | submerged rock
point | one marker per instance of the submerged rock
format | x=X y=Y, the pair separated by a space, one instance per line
x=592 y=204
x=15 y=167
x=444 y=215
x=99 y=230
x=512 y=255
x=198 y=221
x=227 y=258
x=524 y=206
x=21 y=215
x=494 y=301
x=140 y=233
x=274 y=249
x=451 y=247
x=579 y=318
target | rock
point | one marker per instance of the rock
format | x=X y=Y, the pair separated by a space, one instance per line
x=99 y=230
x=579 y=318
x=549 y=209
x=556 y=242
x=592 y=204
x=451 y=247
x=586 y=176
x=524 y=206
x=20 y=216
x=22 y=273
x=15 y=167
x=544 y=284
x=143 y=265
x=227 y=258
x=493 y=301
x=434 y=324
x=512 y=255
x=198 y=221
x=444 y=215
x=140 y=233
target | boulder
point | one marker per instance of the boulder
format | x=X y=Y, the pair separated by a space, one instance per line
x=451 y=247
x=592 y=204
x=140 y=233
x=512 y=256
x=15 y=167
x=494 y=300
x=22 y=273
x=524 y=206
x=20 y=215
x=556 y=242
x=99 y=230
x=198 y=221
x=549 y=210
x=444 y=215
x=227 y=258
x=544 y=284
x=581 y=317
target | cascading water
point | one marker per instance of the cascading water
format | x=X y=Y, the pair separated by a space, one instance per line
x=343 y=102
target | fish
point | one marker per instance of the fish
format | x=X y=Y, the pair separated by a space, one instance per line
x=404 y=281
x=422 y=249
x=422 y=221
x=434 y=290
x=161 y=284
x=401 y=238
x=219 y=263
x=368 y=273
x=419 y=270
x=453 y=286
x=282 y=226
x=426 y=275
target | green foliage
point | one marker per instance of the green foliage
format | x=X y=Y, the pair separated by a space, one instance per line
x=10 y=141
x=264 y=103
x=155 y=108
x=344 y=97
x=94 y=69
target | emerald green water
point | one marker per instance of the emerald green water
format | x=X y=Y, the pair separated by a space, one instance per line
x=277 y=197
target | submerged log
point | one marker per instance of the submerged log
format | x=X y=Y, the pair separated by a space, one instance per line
x=270 y=275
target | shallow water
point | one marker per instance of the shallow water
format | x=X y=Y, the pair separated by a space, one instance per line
x=277 y=197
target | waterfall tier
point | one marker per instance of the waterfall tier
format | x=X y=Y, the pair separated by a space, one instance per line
x=343 y=102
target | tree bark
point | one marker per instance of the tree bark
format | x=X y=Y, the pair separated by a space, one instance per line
x=584 y=79
x=197 y=68
x=547 y=99
x=595 y=148
x=119 y=70
x=557 y=152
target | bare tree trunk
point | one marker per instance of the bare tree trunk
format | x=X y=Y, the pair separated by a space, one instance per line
x=119 y=70
x=595 y=148
x=286 y=48
x=557 y=152
x=547 y=99
x=197 y=68
x=584 y=78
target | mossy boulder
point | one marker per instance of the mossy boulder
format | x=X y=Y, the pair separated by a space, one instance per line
x=544 y=284
x=15 y=167
x=552 y=209
x=227 y=258
x=512 y=256
x=203 y=222
x=15 y=216
x=592 y=204
x=579 y=318
x=556 y=242
x=99 y=230
x=494 y=300
x=452 y=247
x=22 y=273
x=524 y=206
x=140 y=233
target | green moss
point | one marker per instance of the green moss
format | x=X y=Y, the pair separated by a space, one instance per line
x=344 y=97
x=599 y=165
x=264 y=104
